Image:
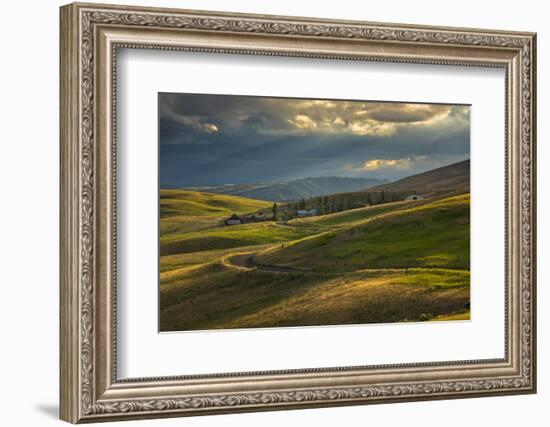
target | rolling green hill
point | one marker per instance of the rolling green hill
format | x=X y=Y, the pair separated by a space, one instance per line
x=393 y=262
x=432 y=235
x=231 y=237
x=214 y=296
x=445 y=181
x=351 y=215
x=184 y=203
x=187 y=234
x=183 y=211
x=451 y=178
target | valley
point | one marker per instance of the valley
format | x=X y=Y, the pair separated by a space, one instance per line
x=389 y=261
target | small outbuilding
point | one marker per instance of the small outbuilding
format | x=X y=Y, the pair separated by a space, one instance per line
x=306 y=212
x=414 y=197
x=234 y=220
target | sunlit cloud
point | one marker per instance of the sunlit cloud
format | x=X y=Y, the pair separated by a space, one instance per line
x=357 y=118
x=405 y=163
x=339 y=122
x=210 y=127
x=301 y=121
x=337 y=125
x=375 y=164
x=409 y=113
x=372 y=127
x=281 y=116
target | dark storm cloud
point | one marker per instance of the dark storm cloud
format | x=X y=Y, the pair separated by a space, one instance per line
x=214 y=139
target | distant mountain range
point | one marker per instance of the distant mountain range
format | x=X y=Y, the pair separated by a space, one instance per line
x=453 y=177
x=448 y=180
x=303 y=188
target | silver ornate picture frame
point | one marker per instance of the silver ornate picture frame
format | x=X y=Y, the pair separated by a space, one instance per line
x=90 y=36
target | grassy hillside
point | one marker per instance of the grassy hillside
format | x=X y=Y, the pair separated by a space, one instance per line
x=449 y=180
x=183 y=211
x=397 y=262
x=214 y=297
x=231 y=237
x=188 y=234
x=454 y=177
x=351 y=215
x=432 y=235
x=177 y=203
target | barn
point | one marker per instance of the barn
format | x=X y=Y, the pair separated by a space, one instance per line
x=234 y=220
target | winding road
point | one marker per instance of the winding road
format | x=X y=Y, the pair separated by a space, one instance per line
x=247 y=262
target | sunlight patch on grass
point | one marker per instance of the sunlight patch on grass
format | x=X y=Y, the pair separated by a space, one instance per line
x=435 y=279
x=455 y=316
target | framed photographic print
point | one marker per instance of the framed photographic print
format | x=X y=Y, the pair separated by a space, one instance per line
x=281 y=212
x=263 y=212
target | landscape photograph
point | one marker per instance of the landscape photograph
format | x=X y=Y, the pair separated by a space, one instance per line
x=294 y=212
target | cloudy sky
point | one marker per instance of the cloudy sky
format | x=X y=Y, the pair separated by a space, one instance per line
x=227 y=139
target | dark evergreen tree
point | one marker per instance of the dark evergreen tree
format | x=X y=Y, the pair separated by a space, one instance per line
x=326 y=205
